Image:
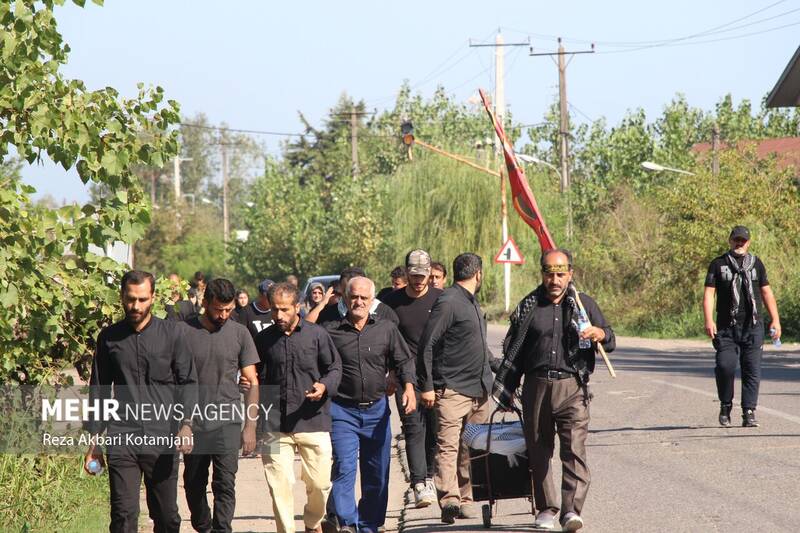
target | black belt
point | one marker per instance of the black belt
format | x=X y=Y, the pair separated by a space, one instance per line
x=353 y=403
x=552 y=374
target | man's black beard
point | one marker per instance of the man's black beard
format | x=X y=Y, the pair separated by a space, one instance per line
x=131 y=321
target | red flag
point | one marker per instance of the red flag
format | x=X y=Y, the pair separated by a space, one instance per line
x=521 y=194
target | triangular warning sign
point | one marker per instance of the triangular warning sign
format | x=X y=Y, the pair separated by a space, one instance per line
x=509 y=253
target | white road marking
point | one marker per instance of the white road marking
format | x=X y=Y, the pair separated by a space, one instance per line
x=773 y=412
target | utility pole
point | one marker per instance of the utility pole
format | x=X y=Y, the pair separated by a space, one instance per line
x=225 y=228
x=354 y=141
x=176 y=176
x=564 y=121
x=715 y=150
x=500 y=110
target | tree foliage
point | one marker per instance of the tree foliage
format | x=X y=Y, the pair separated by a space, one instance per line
x=54 y=293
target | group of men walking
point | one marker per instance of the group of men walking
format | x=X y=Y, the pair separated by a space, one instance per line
x=320 y=385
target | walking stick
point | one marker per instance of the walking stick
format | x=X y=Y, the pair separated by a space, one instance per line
x=599 y=346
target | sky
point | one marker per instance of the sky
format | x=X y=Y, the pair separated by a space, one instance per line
x=255 y=64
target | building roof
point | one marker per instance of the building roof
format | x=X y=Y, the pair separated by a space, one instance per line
x=787 y=149
x=786 y=92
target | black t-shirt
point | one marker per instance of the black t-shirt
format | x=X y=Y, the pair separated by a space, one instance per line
x=413 y=313
x=720 y=276
x=384 y=292
x=254 y=318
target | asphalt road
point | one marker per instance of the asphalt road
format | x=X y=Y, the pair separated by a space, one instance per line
x=658 y=458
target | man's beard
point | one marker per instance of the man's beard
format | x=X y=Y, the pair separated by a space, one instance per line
x=478 y=286
x=218 y=322
x=137 y=320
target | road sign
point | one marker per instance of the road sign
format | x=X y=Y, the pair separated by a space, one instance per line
x=509 y=253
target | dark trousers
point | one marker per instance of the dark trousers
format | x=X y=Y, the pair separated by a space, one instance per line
x=419 y=431
x=126 y=467
x=220 y=447
x=550 y=407
x=735 y=345
x=363 y=438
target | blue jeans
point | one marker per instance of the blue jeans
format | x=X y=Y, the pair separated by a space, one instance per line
x=362 y=434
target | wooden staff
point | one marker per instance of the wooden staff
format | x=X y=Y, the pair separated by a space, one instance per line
x=599 y=345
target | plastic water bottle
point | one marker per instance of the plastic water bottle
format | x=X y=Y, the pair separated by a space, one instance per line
x=94 y=467
x=776 y=341
x=583 y=323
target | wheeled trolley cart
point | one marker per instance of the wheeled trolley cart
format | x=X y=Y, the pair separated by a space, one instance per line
x=499 y=467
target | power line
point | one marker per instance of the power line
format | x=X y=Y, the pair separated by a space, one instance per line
x=239 y=130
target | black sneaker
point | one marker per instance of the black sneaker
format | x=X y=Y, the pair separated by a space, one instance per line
x=450 y=513
x=725 y=415
x=749 y=418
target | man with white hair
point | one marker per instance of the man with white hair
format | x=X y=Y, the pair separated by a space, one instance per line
x=361 y=434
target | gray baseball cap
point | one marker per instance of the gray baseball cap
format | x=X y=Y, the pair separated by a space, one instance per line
x=418 y=262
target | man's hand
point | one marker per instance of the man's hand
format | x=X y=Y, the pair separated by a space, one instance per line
x=248 y=439
x=326 y=298
x=244 y=384
x=711 y=329
x=316 y=392
x=95 y=454
x=593 y=333
x=428 y=398
x=186 y=440
x=776 y=325
x=409 y=399
x=391 y=383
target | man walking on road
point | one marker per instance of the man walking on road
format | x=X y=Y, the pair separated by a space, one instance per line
x=438 y=275
x=739 y=281
x=139 y=361
x=413 y=307
x=256 y=316
x=361 y=433
x=544 y=343
x=221 y=349
x=329 y=312
x=302 y=369
x=455 y=378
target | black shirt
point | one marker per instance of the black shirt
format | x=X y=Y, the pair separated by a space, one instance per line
x=546 y=343
x=720 y=276
x=366 y=356
x=291 y=364
x=255 y=319
x=452 y=350
x=182 y=310
x=150 y=368
x=218 y=357
x=412 y=313
x=384 y=292
x=334 y=313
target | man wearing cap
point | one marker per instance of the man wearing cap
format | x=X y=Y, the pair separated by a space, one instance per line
x=739 y=281
x=257 y=315
x=413 y=306
x=545 y=345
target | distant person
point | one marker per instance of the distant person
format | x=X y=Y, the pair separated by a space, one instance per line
x=327 y=311
x=292 y=279
x=739 y=281
x=413 y=306
x=399 y=280
x=148 y=352
x=315 y=294
x=242 y=299
x=456 y=380
x=221 y=349
x=361 y=434
x=438 y=275
x=198 y=282
x=256 y=316
x=543 y=343
x=298 y=359
x=179 y=310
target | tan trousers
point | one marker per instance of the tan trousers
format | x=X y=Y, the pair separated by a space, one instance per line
x=550 y=407
x=316 y=458
x=454 y=410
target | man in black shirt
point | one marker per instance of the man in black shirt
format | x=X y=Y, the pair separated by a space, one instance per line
x=300 y=364
x=455 y=377
x=141 y=361
x=256 y=315
x=739 y=281
x=221 y=349
x=361 y=431
x=413 y=307
x=555 y=350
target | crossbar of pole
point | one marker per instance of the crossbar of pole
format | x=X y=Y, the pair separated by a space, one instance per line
x=457 y=158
